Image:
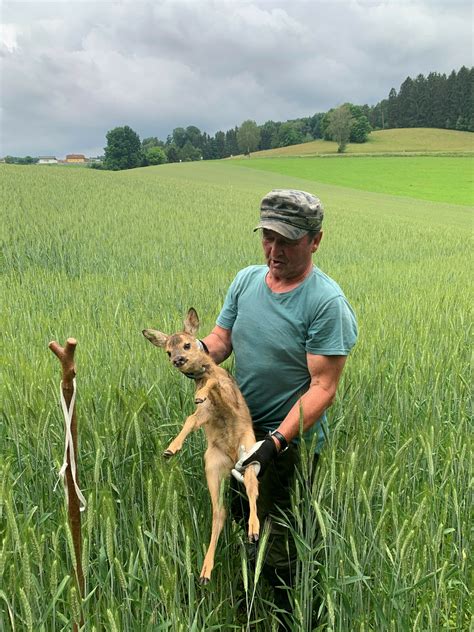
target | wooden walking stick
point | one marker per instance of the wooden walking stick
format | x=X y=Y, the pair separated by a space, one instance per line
x=74 y=496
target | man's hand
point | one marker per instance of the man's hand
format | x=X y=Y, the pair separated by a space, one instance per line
x=260 y=456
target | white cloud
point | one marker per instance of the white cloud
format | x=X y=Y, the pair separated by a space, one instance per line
x=8 y=37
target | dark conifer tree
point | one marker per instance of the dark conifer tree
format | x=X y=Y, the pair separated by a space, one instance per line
x=392 y=109
x=220 y=145
x=231 y=142
x=464 y=89
x=421 y=103
x=451 y=102
x=436 y=84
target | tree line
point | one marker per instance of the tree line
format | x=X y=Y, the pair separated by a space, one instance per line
x=21 y=160
x=125 y=150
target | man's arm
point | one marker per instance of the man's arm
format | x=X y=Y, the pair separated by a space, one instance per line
x=325 y=372
x=219 y=344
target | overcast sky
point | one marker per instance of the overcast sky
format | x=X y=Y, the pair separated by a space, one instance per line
x=70 y=71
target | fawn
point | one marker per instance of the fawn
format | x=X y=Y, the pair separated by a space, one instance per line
x=222 y=412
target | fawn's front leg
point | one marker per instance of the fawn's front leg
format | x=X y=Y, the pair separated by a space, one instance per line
x=203 y=393
x=193 y=422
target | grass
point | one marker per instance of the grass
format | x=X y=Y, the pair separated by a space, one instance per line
x=388 y=141
x=100 y=256
x=439 y=179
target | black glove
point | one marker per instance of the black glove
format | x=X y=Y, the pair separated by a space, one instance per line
x=260 y=456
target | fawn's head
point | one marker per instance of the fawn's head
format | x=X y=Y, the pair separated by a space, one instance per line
x=183 y=350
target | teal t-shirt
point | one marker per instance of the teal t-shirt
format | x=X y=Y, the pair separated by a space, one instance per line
x=272 y=333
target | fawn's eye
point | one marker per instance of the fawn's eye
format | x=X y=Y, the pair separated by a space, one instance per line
x=169 y=354
x=187 y=346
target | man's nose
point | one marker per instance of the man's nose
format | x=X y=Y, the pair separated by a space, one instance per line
x=276 y=248
x=179 y=361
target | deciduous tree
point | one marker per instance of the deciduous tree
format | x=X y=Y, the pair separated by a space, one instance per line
x=339 y=126
x=179 y=137
x=248 y=137
x=360 y=129
x=152 y=141
x=189 y=153
x=194 y=136
x=124 y=150
x=289 y=133
x=156 y=156
x=172 y=153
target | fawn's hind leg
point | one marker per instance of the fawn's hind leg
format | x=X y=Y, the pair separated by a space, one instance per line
x=251 y=487
x=218 y=466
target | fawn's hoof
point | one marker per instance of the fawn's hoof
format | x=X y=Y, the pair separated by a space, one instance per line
x=204 y=580
x=253 y=537
x=167 y=454
x=200 y=400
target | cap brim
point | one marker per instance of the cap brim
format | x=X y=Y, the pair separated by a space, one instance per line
x=290 y=232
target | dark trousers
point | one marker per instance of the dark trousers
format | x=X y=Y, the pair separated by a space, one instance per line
x=275 y=488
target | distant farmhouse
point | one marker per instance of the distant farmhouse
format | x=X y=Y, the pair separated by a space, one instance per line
x=47 y=160
x=76 y=158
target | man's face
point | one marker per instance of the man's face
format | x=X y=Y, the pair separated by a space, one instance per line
x=288 y=259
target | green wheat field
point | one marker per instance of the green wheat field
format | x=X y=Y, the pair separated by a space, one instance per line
x=383 y=535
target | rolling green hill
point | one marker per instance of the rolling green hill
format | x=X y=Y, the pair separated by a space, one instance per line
x=437 y=178
x=412 y=140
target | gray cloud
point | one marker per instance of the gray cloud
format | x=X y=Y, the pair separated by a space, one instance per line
x=70 y=71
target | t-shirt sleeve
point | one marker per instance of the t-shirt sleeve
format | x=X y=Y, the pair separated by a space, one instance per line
x=228 y=313
x=333 y=331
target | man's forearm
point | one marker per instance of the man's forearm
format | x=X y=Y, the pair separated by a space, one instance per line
x=219 y=349
x=325 y=373
x=312 y=405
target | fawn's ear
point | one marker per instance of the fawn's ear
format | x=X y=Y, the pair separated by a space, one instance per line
x=191 y=322
x=157 y=338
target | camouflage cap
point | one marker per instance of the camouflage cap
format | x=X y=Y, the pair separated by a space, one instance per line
x=291 y=213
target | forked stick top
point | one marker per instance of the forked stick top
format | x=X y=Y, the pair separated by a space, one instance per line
x=66 y=356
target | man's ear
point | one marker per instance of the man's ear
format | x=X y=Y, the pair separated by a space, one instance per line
x=317 y=241
x=157 y=338
x=191 y=322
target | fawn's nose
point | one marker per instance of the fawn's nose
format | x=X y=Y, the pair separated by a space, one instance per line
x=179 y=361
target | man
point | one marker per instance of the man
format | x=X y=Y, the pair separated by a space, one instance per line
x=290 y=328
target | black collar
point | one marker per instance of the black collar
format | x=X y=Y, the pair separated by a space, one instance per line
x=195 y=376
